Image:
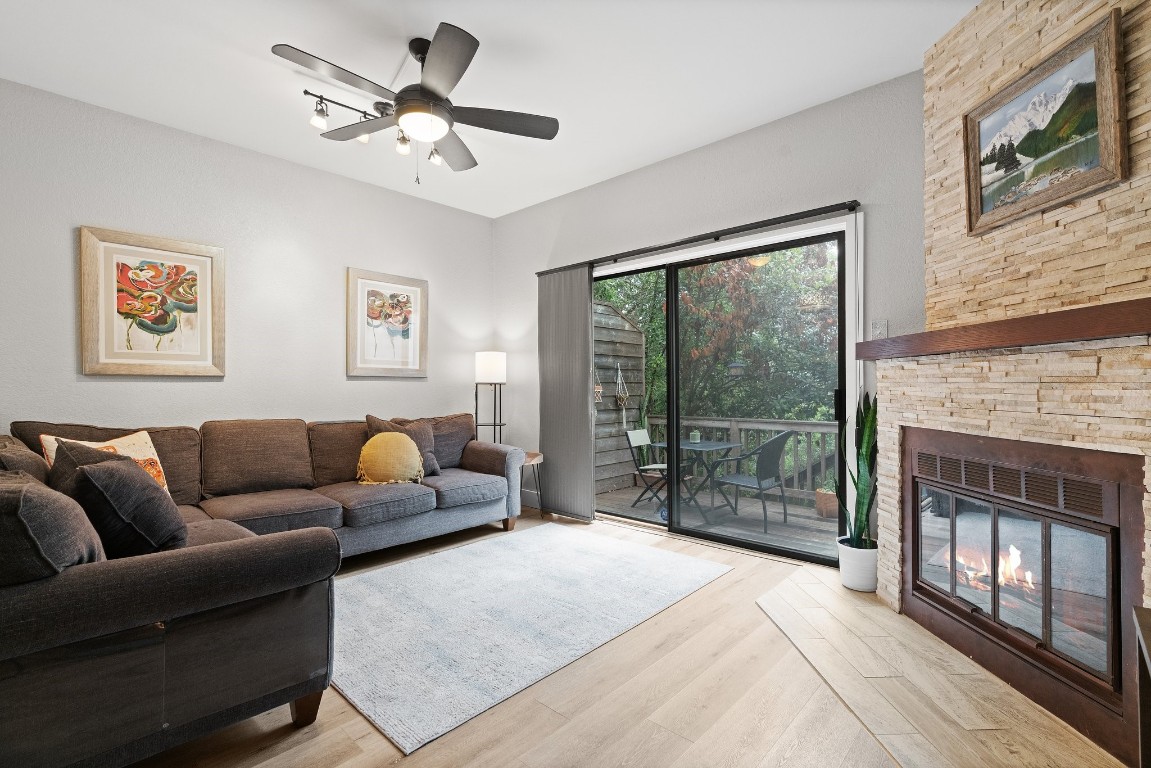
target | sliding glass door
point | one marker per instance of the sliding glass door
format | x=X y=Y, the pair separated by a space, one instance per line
x=734 y=365
x=756 y=390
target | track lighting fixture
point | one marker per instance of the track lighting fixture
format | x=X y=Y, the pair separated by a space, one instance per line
x=435 y=157
x=320 y=117
x=403 y=144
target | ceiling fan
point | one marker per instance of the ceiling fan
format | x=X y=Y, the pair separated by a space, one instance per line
x=422 y=110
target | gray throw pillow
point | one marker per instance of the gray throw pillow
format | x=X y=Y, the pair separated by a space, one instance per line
x=65 y=471
x=18 y=458
x=421 y=433
x=42 y=532
x=451 y=434
x=130 y=511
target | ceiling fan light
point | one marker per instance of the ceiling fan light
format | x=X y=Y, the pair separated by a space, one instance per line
x=403 y=144
x=320 y=116
x=364 y=137
x=435 y=157
x=422 y=120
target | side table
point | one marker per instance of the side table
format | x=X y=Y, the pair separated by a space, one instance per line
x=533 y=459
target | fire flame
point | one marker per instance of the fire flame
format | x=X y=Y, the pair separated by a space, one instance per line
x=1007 y=571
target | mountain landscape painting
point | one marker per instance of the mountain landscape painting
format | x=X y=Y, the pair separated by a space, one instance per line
x=1042 y=138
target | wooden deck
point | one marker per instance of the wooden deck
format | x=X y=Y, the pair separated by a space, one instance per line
x=804 y=531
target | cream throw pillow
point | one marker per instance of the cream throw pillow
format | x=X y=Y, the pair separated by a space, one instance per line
x=137 y=446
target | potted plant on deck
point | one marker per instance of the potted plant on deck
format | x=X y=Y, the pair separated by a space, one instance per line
x=826 y=501
x=858 y=553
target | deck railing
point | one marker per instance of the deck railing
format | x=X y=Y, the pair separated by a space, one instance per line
x=807 y=461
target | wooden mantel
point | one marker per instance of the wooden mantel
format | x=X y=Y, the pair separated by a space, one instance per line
x=1099 y=321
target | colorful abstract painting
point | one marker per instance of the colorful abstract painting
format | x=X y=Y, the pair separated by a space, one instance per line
x=150 y=306
x=387 y=325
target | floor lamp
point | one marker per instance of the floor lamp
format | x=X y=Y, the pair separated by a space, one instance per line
x=492 y=368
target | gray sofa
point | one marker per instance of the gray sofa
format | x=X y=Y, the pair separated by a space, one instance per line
x=270 y=475
x=108 y=662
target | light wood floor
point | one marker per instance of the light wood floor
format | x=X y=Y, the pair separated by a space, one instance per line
x=927 y=703
x=711 y=681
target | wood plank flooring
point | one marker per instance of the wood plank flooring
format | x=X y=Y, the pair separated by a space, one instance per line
x=710 y=681
x=928 y=704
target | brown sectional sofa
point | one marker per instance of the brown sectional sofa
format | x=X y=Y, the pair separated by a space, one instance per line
x=108 y=662
x=270 y=475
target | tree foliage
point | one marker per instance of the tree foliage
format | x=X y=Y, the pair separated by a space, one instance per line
x=775 y=312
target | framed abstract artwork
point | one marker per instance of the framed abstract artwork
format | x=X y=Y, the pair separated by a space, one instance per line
x=150 y=306
x=1056 y=134
x=387 y=325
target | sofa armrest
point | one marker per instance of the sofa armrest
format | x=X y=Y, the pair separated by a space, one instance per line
x=496 y=459
x=95 y=599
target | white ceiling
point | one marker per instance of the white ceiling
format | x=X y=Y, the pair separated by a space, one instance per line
x=632 y=82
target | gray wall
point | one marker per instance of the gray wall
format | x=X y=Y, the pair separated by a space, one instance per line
x=866 y=146
x=288 y=235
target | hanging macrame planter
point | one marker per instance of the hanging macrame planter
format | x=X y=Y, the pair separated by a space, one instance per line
x=621 y=393
x=598 y=387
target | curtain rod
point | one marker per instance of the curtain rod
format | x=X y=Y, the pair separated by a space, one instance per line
x=849 y=205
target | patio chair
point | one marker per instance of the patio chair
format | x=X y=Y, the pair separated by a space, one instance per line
x=637 y=441
x=768 y=475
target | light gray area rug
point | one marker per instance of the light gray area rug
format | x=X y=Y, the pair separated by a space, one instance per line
x=425 y=645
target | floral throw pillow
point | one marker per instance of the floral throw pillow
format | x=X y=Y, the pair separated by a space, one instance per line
x=136 y=446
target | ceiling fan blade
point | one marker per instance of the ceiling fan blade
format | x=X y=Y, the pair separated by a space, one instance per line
x=455 y=153
x=448 y=58
x=519 y=123
x=331 y=71
x=355 y=130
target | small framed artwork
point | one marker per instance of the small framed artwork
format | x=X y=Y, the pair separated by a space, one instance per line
x=387 y=325
x=1056 y=134
x=150 y=306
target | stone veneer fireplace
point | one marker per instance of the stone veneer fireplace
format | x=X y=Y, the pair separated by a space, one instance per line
x=1042 y=449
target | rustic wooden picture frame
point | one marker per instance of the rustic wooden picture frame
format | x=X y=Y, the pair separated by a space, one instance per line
x=387 y=325
x=150 y=306
x=1105 y=38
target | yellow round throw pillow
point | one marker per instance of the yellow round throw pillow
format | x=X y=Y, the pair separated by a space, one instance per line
x=390 y=457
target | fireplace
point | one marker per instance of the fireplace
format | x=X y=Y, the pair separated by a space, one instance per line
x=1017 y=555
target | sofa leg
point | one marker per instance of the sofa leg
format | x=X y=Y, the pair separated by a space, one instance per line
x=305 y=709
x=509 y=523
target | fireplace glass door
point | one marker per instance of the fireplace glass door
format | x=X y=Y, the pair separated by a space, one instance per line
x=1037 y=574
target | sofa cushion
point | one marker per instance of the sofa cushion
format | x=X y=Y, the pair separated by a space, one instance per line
x=335 y=447
x=421 y=433
x=272 y=511
x=17 y=457
x=450 y=435
x=248 y=455
x=209 y=531
x=132 y=514
x=42 y=532
x=390 y=457
x=64 y=476
x=456 y=487
x=371 y=504
x=191 y=514
x=177 y=447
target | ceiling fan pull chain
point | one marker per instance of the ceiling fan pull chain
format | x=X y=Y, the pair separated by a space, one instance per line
x=417 y=154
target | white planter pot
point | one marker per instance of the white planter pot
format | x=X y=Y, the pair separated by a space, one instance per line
x=858 y=568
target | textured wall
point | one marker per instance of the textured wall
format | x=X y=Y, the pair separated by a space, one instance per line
x=1087 y=395
x=1094 y=250
x=288 y=233
x=867 y=146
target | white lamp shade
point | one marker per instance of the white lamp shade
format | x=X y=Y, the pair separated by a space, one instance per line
x=491 y=368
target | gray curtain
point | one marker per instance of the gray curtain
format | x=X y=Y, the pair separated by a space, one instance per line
x=567 y=416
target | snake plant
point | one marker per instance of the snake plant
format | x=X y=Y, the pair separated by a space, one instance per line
x=863 y=477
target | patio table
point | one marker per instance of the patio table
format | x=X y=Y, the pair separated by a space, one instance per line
x=705 y=450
